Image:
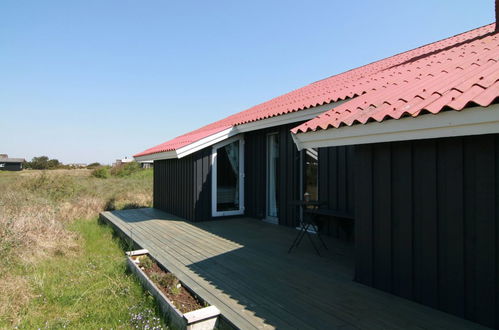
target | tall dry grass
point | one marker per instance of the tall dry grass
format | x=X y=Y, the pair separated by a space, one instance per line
x=35 y=209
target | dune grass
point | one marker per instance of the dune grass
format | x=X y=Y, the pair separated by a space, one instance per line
x=61 y=268
x=87 y=289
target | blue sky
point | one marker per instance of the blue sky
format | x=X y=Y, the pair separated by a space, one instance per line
x=85 y=81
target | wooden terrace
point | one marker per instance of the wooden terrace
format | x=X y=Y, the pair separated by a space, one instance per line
x=241 y=265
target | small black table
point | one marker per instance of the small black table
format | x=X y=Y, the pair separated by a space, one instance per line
x=312 y=213
x=306 y=223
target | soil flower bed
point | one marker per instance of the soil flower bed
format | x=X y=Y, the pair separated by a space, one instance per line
x=179 y=305
x=169 y=285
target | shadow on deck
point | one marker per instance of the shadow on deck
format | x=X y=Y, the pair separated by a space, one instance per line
x=241 y=265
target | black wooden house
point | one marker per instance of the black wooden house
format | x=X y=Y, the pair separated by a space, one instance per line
x=407 y=146
x=11 y=164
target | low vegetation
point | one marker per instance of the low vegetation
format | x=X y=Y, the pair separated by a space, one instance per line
x=120 y=171
x=60 y=267
x=170 y=285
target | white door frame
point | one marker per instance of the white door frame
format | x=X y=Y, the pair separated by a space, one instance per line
x=214 y=211
x=267 y=218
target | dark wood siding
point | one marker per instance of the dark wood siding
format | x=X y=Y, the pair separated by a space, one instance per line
x=255 y=170
x=10 y=166
x=427 y=222
x=183 y=186
x=255 y=173
x=336 y=185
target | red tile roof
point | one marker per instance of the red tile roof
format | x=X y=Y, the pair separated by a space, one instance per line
x=379 y=78
x=463 y=73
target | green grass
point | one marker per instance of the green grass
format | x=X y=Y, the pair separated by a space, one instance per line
x=57 y=271
x=88 y=288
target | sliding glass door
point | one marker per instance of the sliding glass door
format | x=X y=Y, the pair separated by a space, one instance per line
x=228 y=178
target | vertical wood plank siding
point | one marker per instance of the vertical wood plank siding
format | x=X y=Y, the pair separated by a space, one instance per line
x=11 y=166
x=335 y=176
x=336 y=187
x=427 y=222
x=183 y=186
x=256 y=173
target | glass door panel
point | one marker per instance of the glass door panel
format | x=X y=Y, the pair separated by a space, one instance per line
x=228 y=177
x=311 y=173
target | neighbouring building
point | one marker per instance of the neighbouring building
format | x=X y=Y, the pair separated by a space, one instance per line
x=123 y=161
x=126 y=160
x=407 y=146
x=11 y=164
x=77 y=165
x=147 y=164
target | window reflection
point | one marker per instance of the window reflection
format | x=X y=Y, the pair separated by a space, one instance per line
x=228 y=177
x=311 y=168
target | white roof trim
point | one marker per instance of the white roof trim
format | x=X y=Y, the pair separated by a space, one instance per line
x=157 y=156
x=189 y=149
x=293 y=117
x=471 y=121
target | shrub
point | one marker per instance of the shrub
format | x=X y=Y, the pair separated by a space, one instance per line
x=125 y=169
x=166 y=280
x=110 y=204
x=169 y=281
x=93 y=165
x=156 y=277
x=101 y=172
x=53 y=187
x=146 y=262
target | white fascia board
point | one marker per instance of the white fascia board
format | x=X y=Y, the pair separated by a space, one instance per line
x=189 y=149
x=472 y=121
x=288 y=118
x=157 y=156
x=205 y=142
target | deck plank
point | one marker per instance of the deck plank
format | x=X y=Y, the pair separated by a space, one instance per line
x=258 y=292
x=242 y=267
x=230 y=309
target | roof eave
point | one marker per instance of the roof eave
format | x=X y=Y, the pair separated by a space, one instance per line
x=288 y=118
x=469 y=121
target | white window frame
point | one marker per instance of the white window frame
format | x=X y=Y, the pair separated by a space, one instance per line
x=214 y=211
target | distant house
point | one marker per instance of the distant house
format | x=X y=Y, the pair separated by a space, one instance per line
x=11 y=164
x=77 y=165
x=147 y=164
x=407 y=146
x=126 y=160
x=123 y=161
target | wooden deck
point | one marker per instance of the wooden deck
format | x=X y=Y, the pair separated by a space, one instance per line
x=242 y=266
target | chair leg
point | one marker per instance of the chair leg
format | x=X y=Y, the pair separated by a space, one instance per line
x=297 y=239
x=303 y=233
x=320 y=239
x=313 y=244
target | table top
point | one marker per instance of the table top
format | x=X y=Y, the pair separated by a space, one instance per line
x=329 y=213
x=306 y=203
